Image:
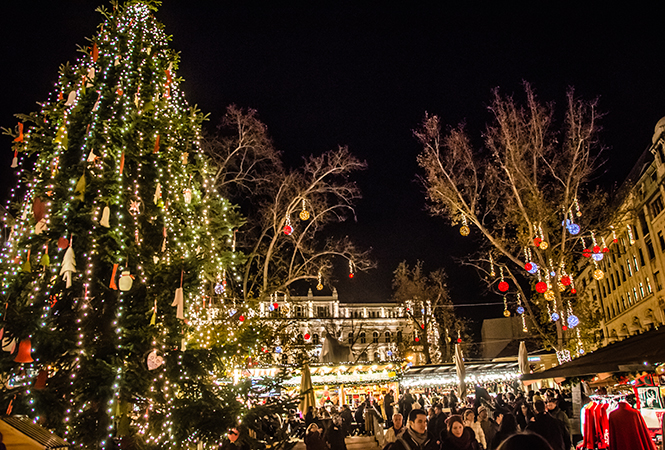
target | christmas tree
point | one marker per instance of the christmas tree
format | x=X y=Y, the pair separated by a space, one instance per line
x=115 y=274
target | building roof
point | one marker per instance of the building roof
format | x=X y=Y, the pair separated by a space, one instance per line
x=633 y=354
x=44 y=438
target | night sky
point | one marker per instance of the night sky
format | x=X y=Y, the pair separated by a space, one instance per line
x=329 y=74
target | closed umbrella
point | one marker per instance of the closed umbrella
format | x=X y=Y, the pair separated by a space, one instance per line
x=306 y=389
x=523 y=359
x=461 y=373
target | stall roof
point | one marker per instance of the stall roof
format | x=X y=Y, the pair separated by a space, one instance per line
x=629 y=355
x=469 y=366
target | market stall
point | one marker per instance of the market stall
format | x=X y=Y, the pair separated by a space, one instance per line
x=349 y=384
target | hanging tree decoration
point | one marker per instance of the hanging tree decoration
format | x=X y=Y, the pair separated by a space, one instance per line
x=578 y=212
x=68 y=264
x=304 y=214
x=520 y=307
x=45 y=260
x=351 y=269
x=543 y=245
x=288 y=229
x=598 y=274
x=605 y=247
x=614 y=235
x=506 y=313
x=492 y=272
x=464 y=229
x=126 y=280
x=503 y=284
x=541 y=286
x=587 y=251
x=319 y=286
x=106 y=216
x=179 y=299
x=571 y=226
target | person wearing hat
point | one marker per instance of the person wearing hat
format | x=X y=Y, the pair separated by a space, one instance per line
x=415 y=436
x=558 y=413
x=458 y=437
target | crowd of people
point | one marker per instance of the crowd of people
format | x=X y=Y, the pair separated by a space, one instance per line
x=442 y=421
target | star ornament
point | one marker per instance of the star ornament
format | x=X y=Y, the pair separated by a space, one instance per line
x=135 y=207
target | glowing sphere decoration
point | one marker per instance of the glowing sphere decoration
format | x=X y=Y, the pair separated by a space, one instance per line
x=219 y=288
x=537 y=241
x=596 y=249
x=573 y=291
x=565 y=280
x=307 y=336
x=304 y=215
x=597 y=256
x=351 y=275
x=278 y=349
x=564 y=328
x=528 y=266
x=506 y=313
x=561 y=286
x=520 y=309
x=615 y=240
x=581 y=351
x=586 y=253
x=275 y=305
x=417 y=339
x=543 y=245
x=549 y=295
x=574 y=229
x=459 y=340
x=288 y=229
x=553 y=274
x=534 y=268
x=319 y=287
x=422 y=326
x=271 y=308
x=503 y=286
x=554 y=317
x=606 y=250
x=598 y=274
x=541 y=287
x=63 y=243
x=660 y=370
x=464 y=230
x=241 y=318
x=573 y=321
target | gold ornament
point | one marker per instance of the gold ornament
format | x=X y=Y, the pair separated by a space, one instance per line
x=561 y=287
x=543 y=245
x=598 y=274
x=506 y=313
x=549 y=295
x=304 y=215
x=464 y=230
x=319 y=287
x=660 y=370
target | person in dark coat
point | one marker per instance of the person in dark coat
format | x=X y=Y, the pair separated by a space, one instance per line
x=313 y=438
x=507 y=428
x=347 y=420
x=522 y=441
x=523 y=415
x=437 y=424
x=415 y=436
x=459 y=437
x=310 y=418
x=335 y=435
x=549 y=428
x=359 y=416
x=388 y=401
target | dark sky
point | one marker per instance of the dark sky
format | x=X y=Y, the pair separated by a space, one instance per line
x=328 y=74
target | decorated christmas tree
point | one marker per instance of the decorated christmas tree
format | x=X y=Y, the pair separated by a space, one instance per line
x=117 y=275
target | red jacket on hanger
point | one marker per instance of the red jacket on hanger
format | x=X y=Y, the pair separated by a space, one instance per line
x=628 y=430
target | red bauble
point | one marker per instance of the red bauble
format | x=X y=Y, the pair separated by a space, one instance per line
x=586 y=253
x=459 y=340
x=288 y=229
x=528 y=266
x=351 y=275
x=275 y=305
x=606 y=250
x=564 y=328
x=615 y=240
x=63 y=243
x=596 y=249
x=537 y=241
x=417 y=339
x=241 y=318
x=541 y=287
x=573 y=291
x=503 y=286
x=422 y=326
x=565 y=280
x=307 y=336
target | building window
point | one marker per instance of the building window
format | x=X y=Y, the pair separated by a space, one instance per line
x=300 y=340
x=637 y=268
x=643 y=224
x=350 y=338
x=388 y=337
x=650 y=250
x=636 y=234
x=612 y=279
x=639 y=250
x=602 y=290
x=618 y=278
x=623 y=273
x=375 y=337
x=635 y=295
x=649 y=289
x=657 y=206
x=608 y=312
x=298 y=311
x=623 y=303
x=641 y=290
x=377 y=356
x=613 y=311
x=363 y=339
x=322 y=311
x=398 y=337
x=363 y=356
x=315 y=339
x=656 y=277
x=661 y=240
x=630 y=269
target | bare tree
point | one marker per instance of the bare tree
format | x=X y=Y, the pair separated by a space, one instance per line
x=520 y=194
x=429 y=307
x=287 y=210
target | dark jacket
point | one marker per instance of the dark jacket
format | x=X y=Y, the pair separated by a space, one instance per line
x=314 y=441
x=449 y=442
x=406 y=442
x=335 y=438
x=551 y=429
